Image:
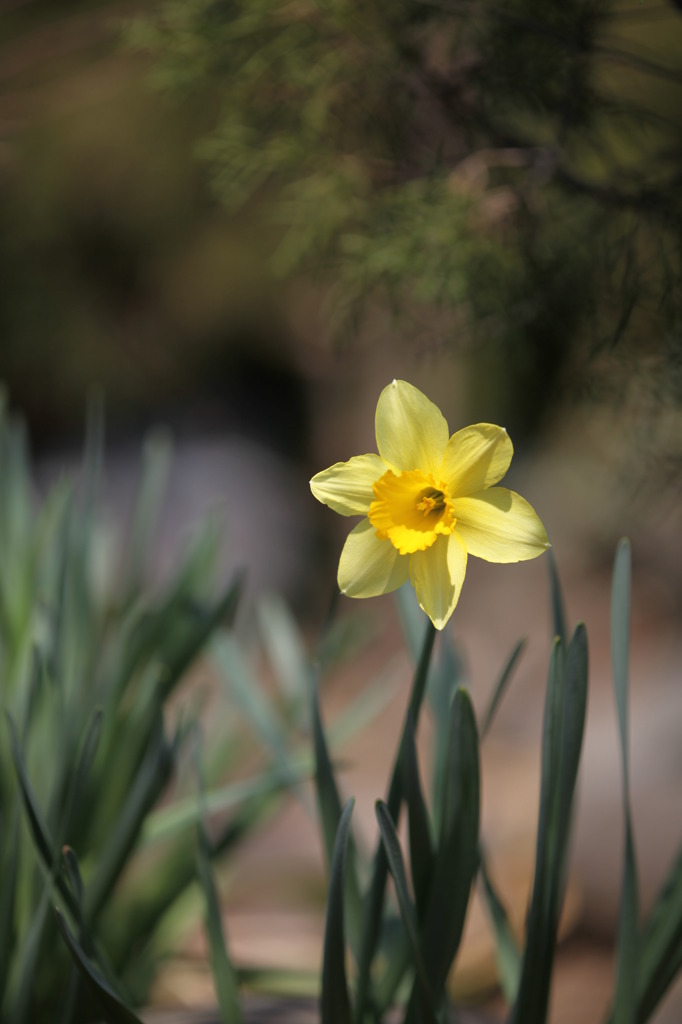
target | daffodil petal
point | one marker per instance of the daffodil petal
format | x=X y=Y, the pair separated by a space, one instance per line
x=437 y=575
x=369 y=566
x=347 y=486
x=500 y=526
x=411 y=431
x=475 y=458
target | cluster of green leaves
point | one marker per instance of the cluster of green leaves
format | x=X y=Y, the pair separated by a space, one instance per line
x=113 y=800
x=405 y=952
x=446 y=856
x=91 y=656
x=89 y=659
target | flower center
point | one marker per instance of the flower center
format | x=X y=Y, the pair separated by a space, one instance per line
x=433 y=501
x=411 y=510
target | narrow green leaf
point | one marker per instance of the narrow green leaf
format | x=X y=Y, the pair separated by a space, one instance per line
x=285 y=648
x=407 y=910
x=244 y=687
x=330 y=810
x=73 y=873
x=558 y=613
x=148 y=785
x=660 y=953
x=573 y=728
x=565 y=710
x=532 y=997
x=328 y=798
x=224 y=974
x=456 y=857
x=507 y=953
x=411 y=620
x=627 y=957
x=419 y=829
x=620 y=645
x=371 y=928
x=335 y=1005
x=396 y=954
x=113 y=1008
x=501 y=687
x=188 y=648
x=42 y=838
x=87 y=943
x=81 y=774
x=446 y=676
x=29 y=959
x=9 y=862
x=185 y=813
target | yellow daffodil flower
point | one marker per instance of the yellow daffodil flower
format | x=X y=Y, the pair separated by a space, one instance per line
x=428 y=501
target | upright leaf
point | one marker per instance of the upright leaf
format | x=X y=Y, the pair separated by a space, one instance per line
x=284 y=647
x=446 y=675
x=456 y=855
x=224 y=974
x=113 y=1008
x=44 y=842
x=421 y=842
x=9 y=861
x=507 y=953
x=558 y=613
x=329 y=805
x=407 y=911
x=660 y=951
x=148 y=785
x=371 y=928
x=335 y=1005
x=501 y=688
x=565 y=710
x=627 y=969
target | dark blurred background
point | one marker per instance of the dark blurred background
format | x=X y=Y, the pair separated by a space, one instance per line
x=241 y=219
x=218 y=210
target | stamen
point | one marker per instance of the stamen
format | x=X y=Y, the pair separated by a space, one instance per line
x=432 y=501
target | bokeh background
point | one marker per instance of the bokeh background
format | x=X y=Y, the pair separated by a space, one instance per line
x=237 y=220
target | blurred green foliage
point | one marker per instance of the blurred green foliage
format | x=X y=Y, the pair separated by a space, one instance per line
x=501 y=180
x=91 y=660
x=139 y=740
x=518 y=164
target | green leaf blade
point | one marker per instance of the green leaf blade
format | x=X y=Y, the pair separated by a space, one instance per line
x=407 y=911
x=335 y=1005
x=456 y=856
x=224 y=974
x=627 y=956
x=114 y=1010
x=419 y=830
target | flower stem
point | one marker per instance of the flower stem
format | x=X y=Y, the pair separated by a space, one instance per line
x=375 y=897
